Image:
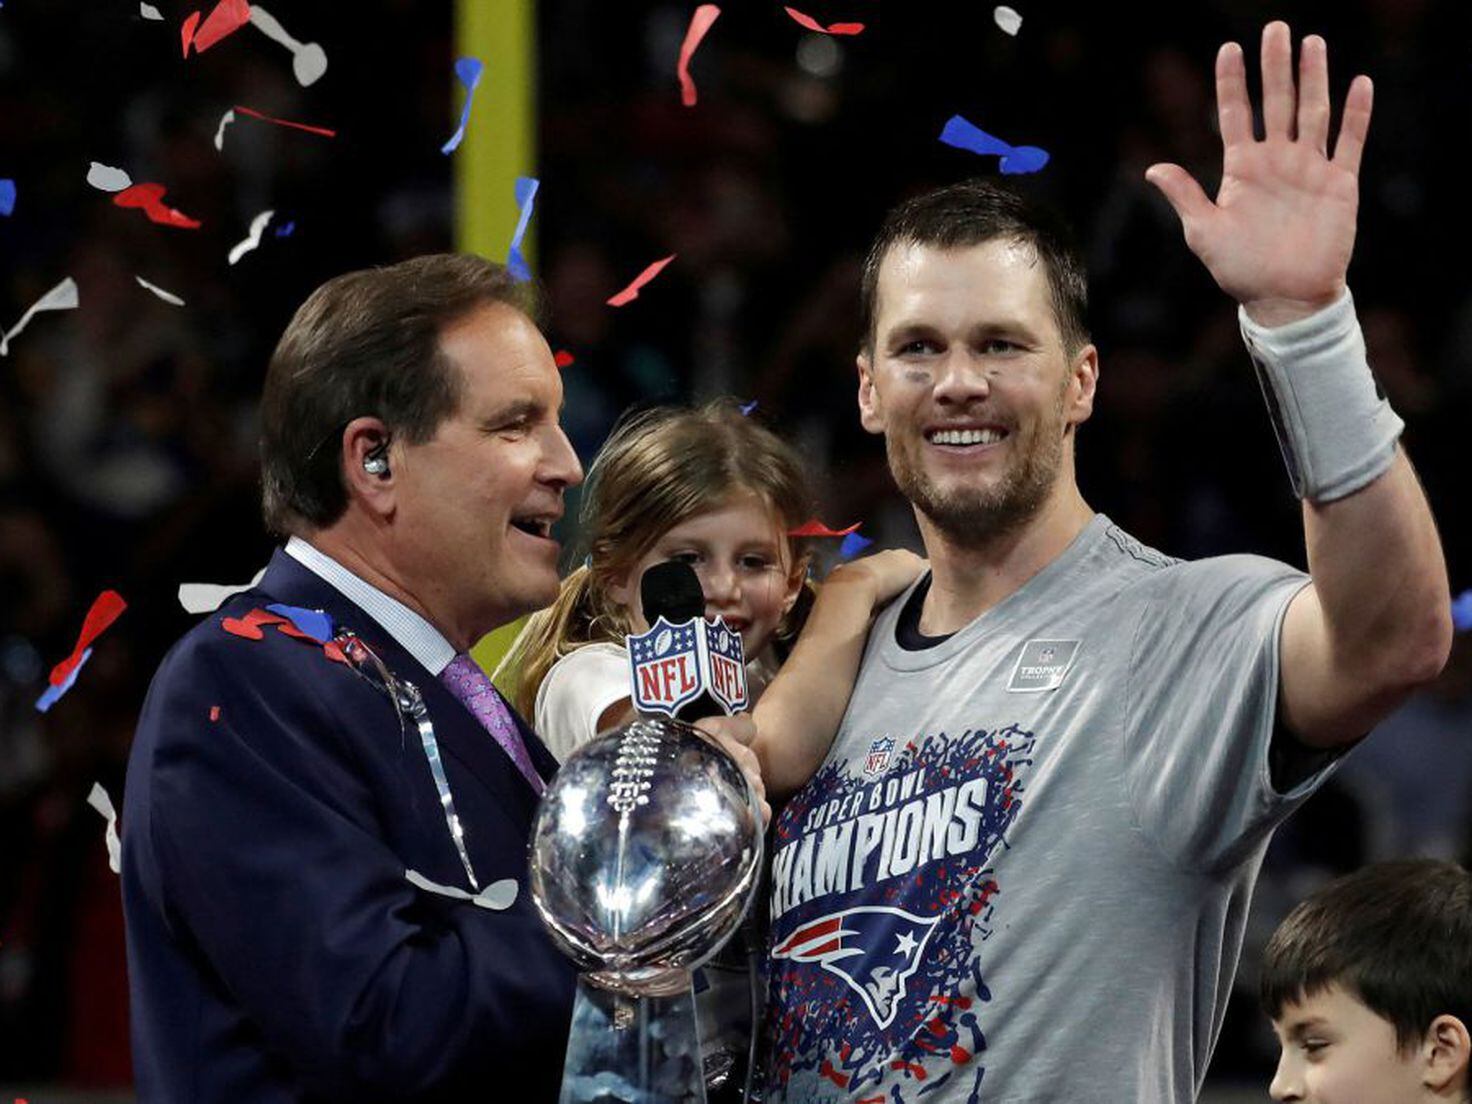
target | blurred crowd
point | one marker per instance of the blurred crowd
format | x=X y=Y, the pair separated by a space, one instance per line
x=127 y=439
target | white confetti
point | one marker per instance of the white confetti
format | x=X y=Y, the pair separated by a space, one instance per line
x=225 y=120
x=497 y=896
x=1009 y=20
x=308 y=60
x=253 y=239
x=99 y=800
x=166 y=296
x=108 y=179
x=208 y=597
x=62 y=297
x=148 y=11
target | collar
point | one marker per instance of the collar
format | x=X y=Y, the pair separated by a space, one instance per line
x=412 y=632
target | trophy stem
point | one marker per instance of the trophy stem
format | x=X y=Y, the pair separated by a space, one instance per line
x=625 y=1049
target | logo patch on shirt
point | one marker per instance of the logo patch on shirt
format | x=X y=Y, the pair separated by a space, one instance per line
x=877 y=761
x=1042 y=665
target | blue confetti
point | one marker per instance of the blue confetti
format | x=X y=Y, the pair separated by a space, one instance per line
x=526 y=194
x=1462 y=611
x=7 y=196
x=852 y=545
x=284 y=230
x=965 y=135
x=467 y=72
x=53 y=694
x=747 y=408
x=314 y=623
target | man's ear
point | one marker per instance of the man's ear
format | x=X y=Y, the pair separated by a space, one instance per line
x=368 y=460
x=1446 y=1049
x=1083 y=379
x=871 y=414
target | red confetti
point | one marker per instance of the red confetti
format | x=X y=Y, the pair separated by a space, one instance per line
x=249 y=626
x=630 y=293
x=700 y=22
x=214 y=713
x=286 y=122
x=815 y=528
x=186 y=32
x=105 y=610
x=562 y=358
x=832 y=29
x=227 y=18
x=150 y=198
x=827 y=1070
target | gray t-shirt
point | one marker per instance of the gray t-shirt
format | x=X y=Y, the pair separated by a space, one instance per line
x=1023 y=872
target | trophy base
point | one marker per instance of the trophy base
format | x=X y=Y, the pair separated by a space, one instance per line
x=625 y=1049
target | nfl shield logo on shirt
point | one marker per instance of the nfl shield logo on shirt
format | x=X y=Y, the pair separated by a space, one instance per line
x=1042 y=665
x=877 y=761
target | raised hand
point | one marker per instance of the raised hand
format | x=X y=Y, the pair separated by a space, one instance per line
x=1279 y=237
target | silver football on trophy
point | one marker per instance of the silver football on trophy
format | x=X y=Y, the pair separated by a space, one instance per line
x=645 y=852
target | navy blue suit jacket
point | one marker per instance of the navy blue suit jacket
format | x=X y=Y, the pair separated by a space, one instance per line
x=275 y=951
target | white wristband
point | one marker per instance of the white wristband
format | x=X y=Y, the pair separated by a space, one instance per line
x=1335 y=428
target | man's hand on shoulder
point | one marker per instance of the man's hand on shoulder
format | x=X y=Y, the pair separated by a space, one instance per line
x=1279 y=237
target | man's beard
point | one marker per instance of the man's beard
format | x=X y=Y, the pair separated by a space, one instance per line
x=972 y=515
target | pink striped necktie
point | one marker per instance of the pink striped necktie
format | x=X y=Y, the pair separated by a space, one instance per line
x=464 y=678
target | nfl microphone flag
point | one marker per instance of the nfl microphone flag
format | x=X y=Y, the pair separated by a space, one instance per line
x=673 y=665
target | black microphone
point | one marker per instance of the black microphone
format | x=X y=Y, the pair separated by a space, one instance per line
x=672 y=590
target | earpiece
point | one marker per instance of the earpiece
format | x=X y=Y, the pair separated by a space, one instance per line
x=375 y=462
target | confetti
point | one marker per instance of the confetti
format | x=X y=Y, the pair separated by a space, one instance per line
x=227 y=18
x=308 y=60
x=700 y=23
x=562 y=358
x=1008 y=19
x=496 y=896
x=630 y=293
x=1462 y=611
x=467 y=72
x=964 y=135
x=208 y=597
x=526 y=194
x=314 y=623
x=832 y=29
x=62 y=297
x=285 y=229
x=53 y=694
x=148 y=11
x=105 y=178
x=99 y=800
x=225 y=120
x=852 y=545
x=106 y=608
x=287 y=122
x=747 y=408
x=815 y=528
x=250 y=627
x=214 y=713
x=166 y=296
x=7 y=196
x=150 y=198
x=253 y=239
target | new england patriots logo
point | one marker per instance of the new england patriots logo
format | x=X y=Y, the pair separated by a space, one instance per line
x=875 y=948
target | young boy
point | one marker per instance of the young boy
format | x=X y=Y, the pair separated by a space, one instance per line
x=1369 y=986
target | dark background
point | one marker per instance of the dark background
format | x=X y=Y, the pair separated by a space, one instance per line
x=127 y=427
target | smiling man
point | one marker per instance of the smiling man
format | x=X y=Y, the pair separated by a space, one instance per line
x=1036 y=831
x=328 y=805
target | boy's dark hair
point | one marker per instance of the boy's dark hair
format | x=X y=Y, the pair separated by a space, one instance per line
x=1395 y=935
x=973 y=212
x=365 y=343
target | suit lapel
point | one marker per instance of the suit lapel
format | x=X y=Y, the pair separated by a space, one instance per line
x=458 y=732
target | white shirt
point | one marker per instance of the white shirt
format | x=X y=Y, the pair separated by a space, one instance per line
x=412 y=632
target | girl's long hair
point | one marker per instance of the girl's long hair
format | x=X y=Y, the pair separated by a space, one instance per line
x=658 y=468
